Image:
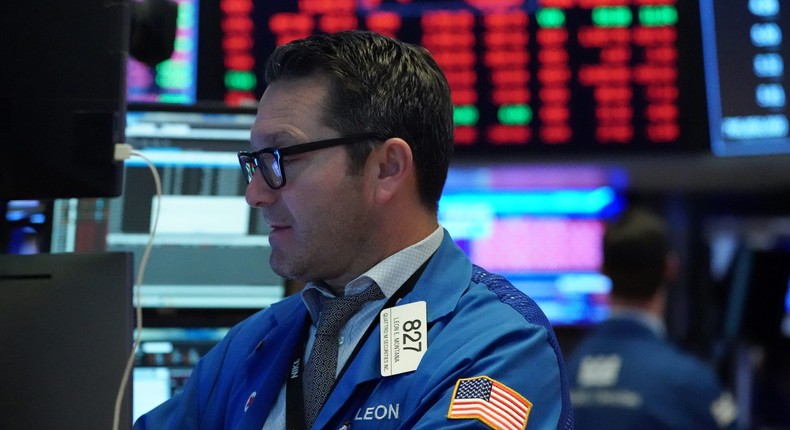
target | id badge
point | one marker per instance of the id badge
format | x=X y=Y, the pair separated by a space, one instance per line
x=404 y=338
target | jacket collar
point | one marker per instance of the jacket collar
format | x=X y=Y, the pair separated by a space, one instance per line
x=268 y=364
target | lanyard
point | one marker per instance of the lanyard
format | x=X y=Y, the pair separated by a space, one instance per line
x=294 y=400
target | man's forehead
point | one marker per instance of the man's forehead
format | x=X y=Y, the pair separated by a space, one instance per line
x=291 y=111
x=277 y=138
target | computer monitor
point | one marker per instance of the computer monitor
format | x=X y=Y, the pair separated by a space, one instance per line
x=165 y=360
x=62 y=98
x=744 y=56
x=541 y=228
x=210 y=251
x=66 y=333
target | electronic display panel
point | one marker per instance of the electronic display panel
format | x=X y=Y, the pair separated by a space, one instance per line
x=550 y=76
x=539 y=227
x=554 y=77
x=744 y=57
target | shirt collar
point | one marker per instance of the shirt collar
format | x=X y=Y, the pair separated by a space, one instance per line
x=390 y=273
x=395 y=270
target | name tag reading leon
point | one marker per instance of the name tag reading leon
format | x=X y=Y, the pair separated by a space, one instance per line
x=404 y=338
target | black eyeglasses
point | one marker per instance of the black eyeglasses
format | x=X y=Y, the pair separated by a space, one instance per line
x=268 y=159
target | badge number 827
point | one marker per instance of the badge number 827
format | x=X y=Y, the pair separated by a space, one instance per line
x=404 y=338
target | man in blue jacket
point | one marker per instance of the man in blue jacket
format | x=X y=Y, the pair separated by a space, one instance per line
x=625 y=374
x=350 y=151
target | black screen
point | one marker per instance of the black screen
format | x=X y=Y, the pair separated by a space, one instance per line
x=62 y=83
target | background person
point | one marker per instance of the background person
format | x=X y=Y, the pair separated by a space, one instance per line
x=625 y=374
x=351 y=148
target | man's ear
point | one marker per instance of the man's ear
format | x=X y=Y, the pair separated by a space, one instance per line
x=672 y=267
x=394 y=168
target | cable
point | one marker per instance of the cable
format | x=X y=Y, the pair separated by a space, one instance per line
x=122 y=152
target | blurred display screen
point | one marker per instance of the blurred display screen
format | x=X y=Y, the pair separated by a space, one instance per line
x=175 y=79
x=744 y=70
x=541 y=228
x=550 y=76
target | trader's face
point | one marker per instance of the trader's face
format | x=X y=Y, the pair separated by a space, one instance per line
x=319 y=219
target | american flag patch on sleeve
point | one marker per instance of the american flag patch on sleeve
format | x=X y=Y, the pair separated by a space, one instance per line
x=491 y=402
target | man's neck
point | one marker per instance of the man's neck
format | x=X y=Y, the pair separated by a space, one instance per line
x=653 y=306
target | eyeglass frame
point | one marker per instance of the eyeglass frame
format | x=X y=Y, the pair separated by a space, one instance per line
x=254 y=157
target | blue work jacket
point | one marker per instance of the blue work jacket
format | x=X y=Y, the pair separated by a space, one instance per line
x=478 y=325
x=626 y=376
